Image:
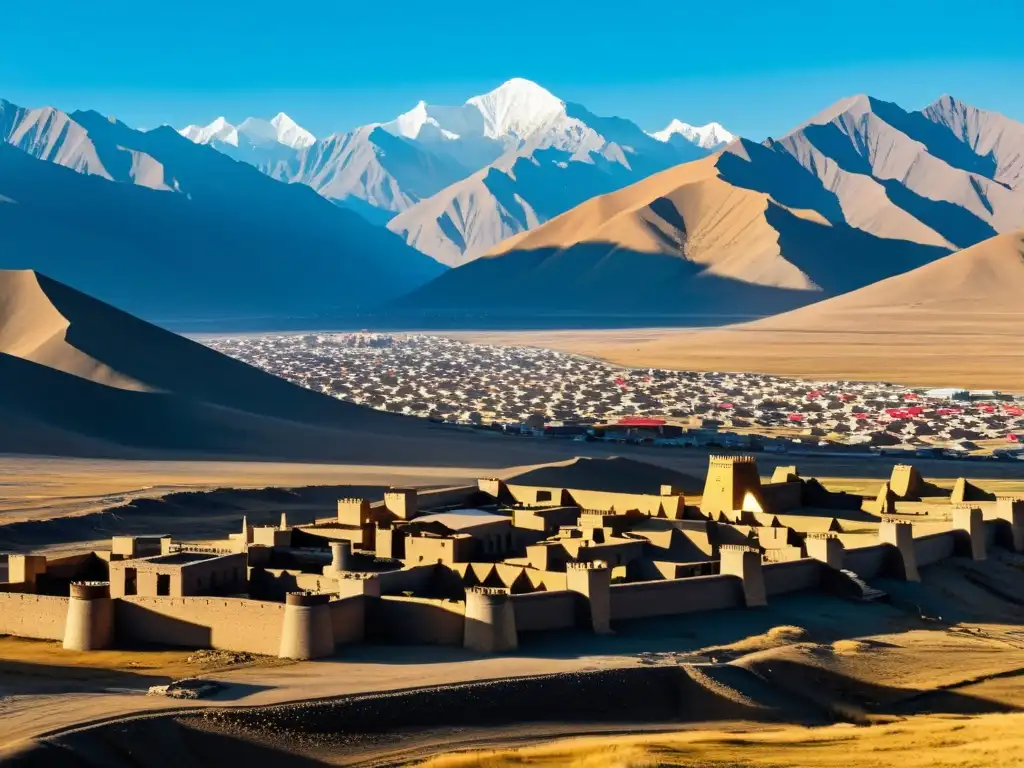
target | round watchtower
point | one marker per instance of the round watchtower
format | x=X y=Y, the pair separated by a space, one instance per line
x=90 y=620
x=490 y=620
x=306 y=631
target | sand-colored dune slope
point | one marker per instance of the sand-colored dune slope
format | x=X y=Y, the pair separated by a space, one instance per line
x=956 y=322
x=78 y=377
x=698 y=240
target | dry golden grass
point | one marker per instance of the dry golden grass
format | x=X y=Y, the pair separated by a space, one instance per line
x=989 y=741
x=48 y=659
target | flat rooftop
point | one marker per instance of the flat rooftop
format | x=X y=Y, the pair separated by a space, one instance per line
x=181 y=558
x=461 y=519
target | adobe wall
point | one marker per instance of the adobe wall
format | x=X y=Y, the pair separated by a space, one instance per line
x=228 y=623
x=443 y=497
x=275 y=583
x=348 y=619
x=406 y=580
x=37 y=616
x=667 y=598
x=544 y=610
x=793 y=576
x=782 y=497
x=933 y=548
x=415 y=620
x=72 y=566
x=527 y=495
x=867 y=562
x=649 y=504
x=992 y=534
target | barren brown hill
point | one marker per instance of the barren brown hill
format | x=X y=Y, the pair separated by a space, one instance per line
x=79 y=377
x=955 y=322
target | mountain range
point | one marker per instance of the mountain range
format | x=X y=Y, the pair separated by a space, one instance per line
x=159 y=225
x=181 y=231
x=454 y=181
x=859 y=193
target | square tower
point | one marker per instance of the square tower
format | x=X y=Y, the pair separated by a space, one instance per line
x=355 y=512
x=732 y=484
x=402 y=502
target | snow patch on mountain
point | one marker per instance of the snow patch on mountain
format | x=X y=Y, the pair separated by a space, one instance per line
x=704 y=136
x=255 y=131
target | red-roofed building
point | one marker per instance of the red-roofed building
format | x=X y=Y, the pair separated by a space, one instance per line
x=640 y=421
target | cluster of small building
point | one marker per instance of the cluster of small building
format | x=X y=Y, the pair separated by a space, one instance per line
x=485 y=566
x=525 y=389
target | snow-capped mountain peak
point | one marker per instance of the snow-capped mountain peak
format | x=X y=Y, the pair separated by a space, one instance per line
x=256 y=131
x=219 y=130
x=291 y=133
x=517 y=107
x=704 y=136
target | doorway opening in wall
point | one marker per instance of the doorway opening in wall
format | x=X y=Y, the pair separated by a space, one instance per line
x=163 y=584
x=131 y=581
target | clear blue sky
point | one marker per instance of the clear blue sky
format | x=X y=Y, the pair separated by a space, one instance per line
x=757 y=67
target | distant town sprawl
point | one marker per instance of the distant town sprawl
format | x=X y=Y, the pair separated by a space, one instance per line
x=546 y=393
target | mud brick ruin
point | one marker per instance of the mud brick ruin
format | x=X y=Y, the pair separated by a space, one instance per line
x=482 y=566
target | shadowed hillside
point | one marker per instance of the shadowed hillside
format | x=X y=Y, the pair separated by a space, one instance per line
x=78 y=377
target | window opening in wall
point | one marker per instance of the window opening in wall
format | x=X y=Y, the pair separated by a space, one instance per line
x=131 y=581
x=163 y=584
x=543 y=495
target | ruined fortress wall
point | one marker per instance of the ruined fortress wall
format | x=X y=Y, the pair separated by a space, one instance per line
x=537 y=495
x=275 y=583
x=866 y=562
x=227 y=623
x=544 y=610
x=668 y=598
x=792 y=576
x=419 y=620
x=412 y=579
x=71 y=566
x=857 y=540
x=348 y=619
x=933 y=547
x=442 y=497
x=991 y=534
x=621 y=502
x=37 y=616
x=782 y=497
